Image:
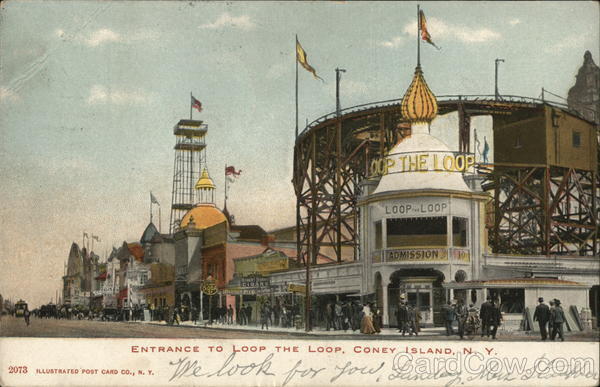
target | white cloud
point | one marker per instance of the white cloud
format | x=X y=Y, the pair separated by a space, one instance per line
x=101 y=94
x=102 y=36
x=514 y=22
x=226 y=20
x=8 y=95
x=441 y=30
x=105 y=35
x=396 y=41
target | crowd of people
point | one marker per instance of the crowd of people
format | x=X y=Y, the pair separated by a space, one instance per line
x=337 y=315
x=470 y=320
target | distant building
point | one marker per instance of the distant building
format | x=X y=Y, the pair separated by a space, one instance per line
x=133 y=275
x=159 y=255
x=80 y=277
x=584 y=96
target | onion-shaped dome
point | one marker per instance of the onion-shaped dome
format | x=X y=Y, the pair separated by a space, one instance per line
x=419 y=104
x=203 y=216
x=205 y=182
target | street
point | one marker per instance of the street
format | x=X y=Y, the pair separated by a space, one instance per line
x=16 y=327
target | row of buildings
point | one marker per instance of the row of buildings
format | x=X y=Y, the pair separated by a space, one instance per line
x=431 y=226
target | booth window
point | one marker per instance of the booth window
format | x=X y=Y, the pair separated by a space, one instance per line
x=459 y=232
x=511 y=300
x=378 y=236
x=413 y=232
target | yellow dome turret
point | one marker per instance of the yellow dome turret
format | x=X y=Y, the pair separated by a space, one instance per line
x=205 y=182
x=419 y=105
x=205 y=188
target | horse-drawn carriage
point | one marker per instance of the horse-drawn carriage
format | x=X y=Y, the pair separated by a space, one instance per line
x=20 y=308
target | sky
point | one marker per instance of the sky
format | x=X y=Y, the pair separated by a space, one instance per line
x=90 y=92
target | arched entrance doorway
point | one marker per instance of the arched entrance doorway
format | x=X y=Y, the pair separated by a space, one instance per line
x=421 y=288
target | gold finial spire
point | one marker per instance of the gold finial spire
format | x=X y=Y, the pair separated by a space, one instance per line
x=205 y=182
x=419 y=104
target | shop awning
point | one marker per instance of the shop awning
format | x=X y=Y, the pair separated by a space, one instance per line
x=514 y=283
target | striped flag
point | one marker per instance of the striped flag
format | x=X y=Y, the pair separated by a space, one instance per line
x=196 y=104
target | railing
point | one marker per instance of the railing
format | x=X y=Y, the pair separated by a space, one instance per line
x=441 y=100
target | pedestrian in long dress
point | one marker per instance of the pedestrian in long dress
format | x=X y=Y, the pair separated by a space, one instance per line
x=366 y=324
x=377 y=318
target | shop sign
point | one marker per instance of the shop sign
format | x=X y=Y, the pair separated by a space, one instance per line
x=209 y=287
x=461 y=255
x=254 y=282
x=267 y=267
x=417 y=255
x=412 y=207
x=422 y=162
x=294 y=288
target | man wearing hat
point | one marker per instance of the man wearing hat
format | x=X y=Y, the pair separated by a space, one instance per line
x=484 y=315
x=542 y=316
x=558 y=318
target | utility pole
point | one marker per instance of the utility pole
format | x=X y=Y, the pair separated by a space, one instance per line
x=496 y=93
x=338 y=77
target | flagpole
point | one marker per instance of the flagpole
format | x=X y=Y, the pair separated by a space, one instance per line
x=296 y=59
x=418 y=36
x=225 y=199
x=159 y=219
x=191 y=105
x=150 y=206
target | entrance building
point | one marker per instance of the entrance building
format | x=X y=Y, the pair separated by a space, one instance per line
x=421 y=225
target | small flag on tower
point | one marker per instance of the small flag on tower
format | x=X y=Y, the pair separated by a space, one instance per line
x=153 y=199
x=423 y=27
x=230 y=170
x=196 y=104
x=302 y=58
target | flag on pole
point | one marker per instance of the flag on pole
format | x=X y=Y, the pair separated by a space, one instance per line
x=96 y=237
x=153 y=199
x=231 y=173
x=196 y=104
x=424 y=32
x=230 y=170
x=302 y=58
x=85 y=235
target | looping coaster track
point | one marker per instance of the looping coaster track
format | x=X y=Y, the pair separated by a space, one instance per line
x=333 y=153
